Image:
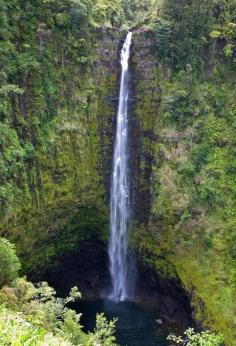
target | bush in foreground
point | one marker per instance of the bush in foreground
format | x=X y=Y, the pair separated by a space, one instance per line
x=196 y=339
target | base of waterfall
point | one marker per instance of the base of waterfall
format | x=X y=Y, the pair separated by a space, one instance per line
x=119 y=299
x=137 y=324
x=87 y=269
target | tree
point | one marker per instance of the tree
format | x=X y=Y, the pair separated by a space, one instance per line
x=104 y=332
x=9 y=262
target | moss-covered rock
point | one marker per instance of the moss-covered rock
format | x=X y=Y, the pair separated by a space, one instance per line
x=185 y=145
x=66 y=174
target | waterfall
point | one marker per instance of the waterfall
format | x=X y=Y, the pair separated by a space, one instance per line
x=119 y=203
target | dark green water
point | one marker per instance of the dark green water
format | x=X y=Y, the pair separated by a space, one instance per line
x=135 y=326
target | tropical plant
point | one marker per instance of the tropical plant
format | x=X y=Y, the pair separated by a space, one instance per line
x=191 y=338
x=9 y=262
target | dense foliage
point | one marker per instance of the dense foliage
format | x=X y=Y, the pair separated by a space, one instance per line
x=9 y=262
x=191 y=32
x=194 y=202
x=45 y=48
x=196 y=339
x=33 y=315
x=32 y=85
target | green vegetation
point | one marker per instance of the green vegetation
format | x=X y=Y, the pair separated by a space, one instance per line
x=58 y=73
x=9 y=262
x=191 y=32
x=33 y=86
x=191 y=232
x=32 y=315
x=124 y=13
x=50 y=134
x=197 y=339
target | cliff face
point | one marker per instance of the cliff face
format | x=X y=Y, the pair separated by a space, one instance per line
x=64 y=184
x=184 y=149
x=144 y=118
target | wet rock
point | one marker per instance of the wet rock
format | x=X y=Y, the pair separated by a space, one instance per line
x=159 y=321
x=170 y=305
x=86 y=268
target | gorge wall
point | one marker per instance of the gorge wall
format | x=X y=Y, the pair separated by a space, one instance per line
x=185 y=153
x=63 y=187
x=180 y=236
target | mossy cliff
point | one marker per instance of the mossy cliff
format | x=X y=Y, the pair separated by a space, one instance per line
x=144 y=116
x=61 y=197
x=185 y=222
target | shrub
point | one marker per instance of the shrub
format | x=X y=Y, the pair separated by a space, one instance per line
x=196 y=339
x=200 y=155
x=104 y=332
x=15 y=330
x=33 y=315
x=9 y=262
x=187 y=169
x=163 y=33
x=29 y=151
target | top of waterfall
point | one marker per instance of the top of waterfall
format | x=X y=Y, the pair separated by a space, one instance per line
x=126 y=51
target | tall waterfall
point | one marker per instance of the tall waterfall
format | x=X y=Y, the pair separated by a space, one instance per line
x=119 y=203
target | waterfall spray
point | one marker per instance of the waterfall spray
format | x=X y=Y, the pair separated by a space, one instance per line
x=119 y=203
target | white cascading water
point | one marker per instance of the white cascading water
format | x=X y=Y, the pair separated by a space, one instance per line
x=119 y=204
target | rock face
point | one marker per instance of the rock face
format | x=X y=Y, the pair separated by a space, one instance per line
x=86 y=268
x=65 y=194
x=66 y=188
x=170 y=223
x=144 y=119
